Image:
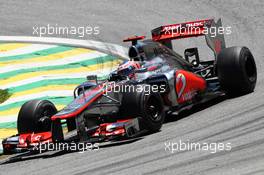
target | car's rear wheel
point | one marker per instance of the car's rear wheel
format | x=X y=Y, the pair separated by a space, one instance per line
x=147 y=105
x=236 y=70
x=34 y=116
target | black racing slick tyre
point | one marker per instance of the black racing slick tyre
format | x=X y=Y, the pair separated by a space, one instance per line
x=146 y=105
x=236 y=70
x=34 y=116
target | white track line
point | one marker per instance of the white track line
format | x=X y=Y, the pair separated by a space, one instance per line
x=26 y=50
x=57 y=76
x=6 y=119
x=62 y=61
x=112 y=49
x=49 y=93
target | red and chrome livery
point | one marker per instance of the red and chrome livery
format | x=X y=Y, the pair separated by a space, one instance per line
x=168 y=82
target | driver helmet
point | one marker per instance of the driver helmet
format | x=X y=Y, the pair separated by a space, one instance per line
x=128 y=68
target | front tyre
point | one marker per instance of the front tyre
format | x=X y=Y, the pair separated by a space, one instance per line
x=236 y=70
x=147 y=105
x=34 y=116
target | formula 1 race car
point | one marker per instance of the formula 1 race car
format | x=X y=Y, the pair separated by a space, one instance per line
x=136 y=97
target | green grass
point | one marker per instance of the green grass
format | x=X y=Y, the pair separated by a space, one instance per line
x=4 y=95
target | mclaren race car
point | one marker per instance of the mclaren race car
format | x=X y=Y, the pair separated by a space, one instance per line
x=137 y=96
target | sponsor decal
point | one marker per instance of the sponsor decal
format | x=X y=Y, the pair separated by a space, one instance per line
x=181 y=79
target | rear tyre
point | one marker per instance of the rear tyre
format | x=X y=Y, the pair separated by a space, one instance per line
x=147 y=105
x=236 y=70
x=34 y=116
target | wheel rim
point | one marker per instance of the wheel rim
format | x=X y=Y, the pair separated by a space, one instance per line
x=48 y=112
x=250 y=67
x=153 y=109
x=44 y=120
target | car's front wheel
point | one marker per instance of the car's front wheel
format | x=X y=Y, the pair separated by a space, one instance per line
x=147 y=105
x=34 y=116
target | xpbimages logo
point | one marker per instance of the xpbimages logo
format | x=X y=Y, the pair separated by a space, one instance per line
x=127 y=88
x=212 y=147
x=72 y=146
x=194 y=29
x=79 y=31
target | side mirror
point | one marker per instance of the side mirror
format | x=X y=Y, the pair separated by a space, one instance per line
x=92 y=78
x=190 y=52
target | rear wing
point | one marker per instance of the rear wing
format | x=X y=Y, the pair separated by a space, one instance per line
x=215 y=40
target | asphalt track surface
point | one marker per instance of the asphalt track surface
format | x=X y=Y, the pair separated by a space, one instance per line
x=239 y=120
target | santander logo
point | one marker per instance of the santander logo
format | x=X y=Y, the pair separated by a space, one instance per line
x=195 y=24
